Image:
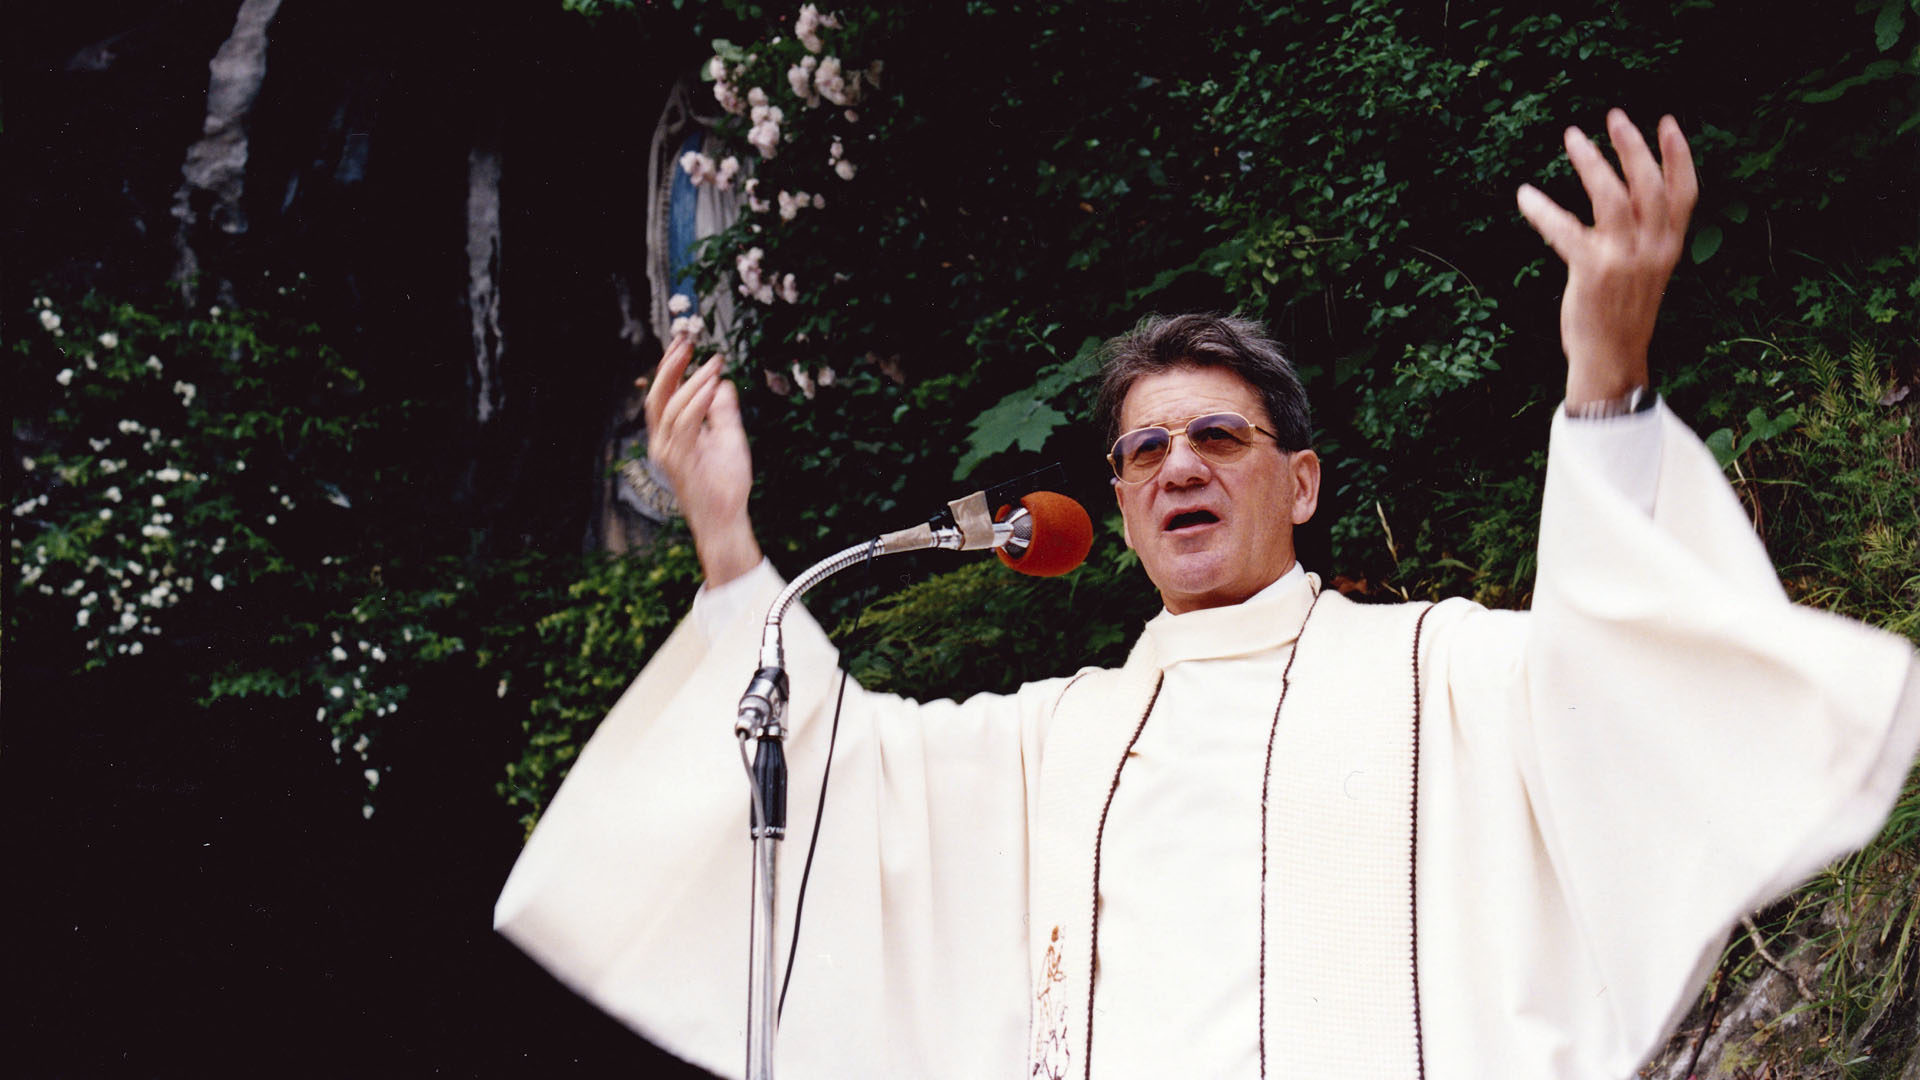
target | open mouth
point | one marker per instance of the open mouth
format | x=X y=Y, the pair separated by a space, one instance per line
x=1190 y=519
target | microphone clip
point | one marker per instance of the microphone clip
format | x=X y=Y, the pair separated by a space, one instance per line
x=763 y=708
x=968 y=523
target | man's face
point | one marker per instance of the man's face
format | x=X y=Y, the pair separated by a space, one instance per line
x=1210 y=534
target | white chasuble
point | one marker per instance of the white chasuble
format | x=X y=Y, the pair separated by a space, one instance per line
x=1300 y=950
x=1604 y=785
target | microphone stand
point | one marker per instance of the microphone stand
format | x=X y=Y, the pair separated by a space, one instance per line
x=966 y=524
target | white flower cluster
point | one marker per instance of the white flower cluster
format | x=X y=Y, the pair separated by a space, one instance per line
x=814 y=79
x=135 y=593
x=743 y=87
x=49 y=320
x=765 y=132
x=757 y=284
x=747 y=265
x=116 y=530
x=723 y=91
x=837 y=157
x=348 y=700
x=808 y=24
x=834 y=85
x=700 y=169
x=754 y=202
x=352 y=696
x=800 y=80
x=792 y=203
x=685 y=320
x=808 y=382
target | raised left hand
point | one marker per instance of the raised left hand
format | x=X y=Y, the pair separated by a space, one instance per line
x=1617 y=268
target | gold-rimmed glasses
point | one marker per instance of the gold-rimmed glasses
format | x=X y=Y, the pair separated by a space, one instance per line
x=1219 y=437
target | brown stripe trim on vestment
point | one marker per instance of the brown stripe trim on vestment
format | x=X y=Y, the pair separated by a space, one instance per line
x=1413 y=853
x=1093 y=936
x=1266 y=780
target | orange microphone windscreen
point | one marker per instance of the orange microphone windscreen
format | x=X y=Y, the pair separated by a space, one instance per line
x=1062 y=536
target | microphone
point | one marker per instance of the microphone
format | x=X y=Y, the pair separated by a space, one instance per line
x=1046 y=535
x=1051 y=535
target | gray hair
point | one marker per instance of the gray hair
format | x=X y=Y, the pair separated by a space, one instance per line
x=1166 y=342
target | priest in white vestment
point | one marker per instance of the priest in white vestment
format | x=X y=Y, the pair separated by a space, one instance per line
x=1292 y=835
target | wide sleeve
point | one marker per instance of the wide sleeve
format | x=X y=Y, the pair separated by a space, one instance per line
x=1693 y=743
x=634 y=887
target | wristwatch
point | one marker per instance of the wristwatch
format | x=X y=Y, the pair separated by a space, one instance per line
x=1637 y=400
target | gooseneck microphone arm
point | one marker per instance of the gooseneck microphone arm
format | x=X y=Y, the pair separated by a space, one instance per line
x=969 y=529
x=965 y=525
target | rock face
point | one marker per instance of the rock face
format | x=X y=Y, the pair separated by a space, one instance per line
x=215 y=173
x=447 y=178
x=1781 y=1021
x=440 y=179
x=483 y=279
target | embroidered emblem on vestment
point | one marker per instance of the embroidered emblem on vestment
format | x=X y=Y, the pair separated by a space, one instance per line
x=1052 y=1053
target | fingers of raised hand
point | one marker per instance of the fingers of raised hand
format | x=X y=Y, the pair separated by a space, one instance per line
x=1646 y=212
x=686 y=412
x=1603 y=186
x=725 y=409
x=1646 y=189
x=1560 y=229
x=666 y=378
x=1676 y=164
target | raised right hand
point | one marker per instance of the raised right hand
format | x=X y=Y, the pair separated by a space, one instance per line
x=1617 y=269
x=694 y=434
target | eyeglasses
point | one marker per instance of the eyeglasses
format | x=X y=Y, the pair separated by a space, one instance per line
x=1219 y=437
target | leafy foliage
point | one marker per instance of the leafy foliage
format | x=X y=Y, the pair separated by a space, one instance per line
x=220 y=489
x=591 y=622
x=979 y=629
